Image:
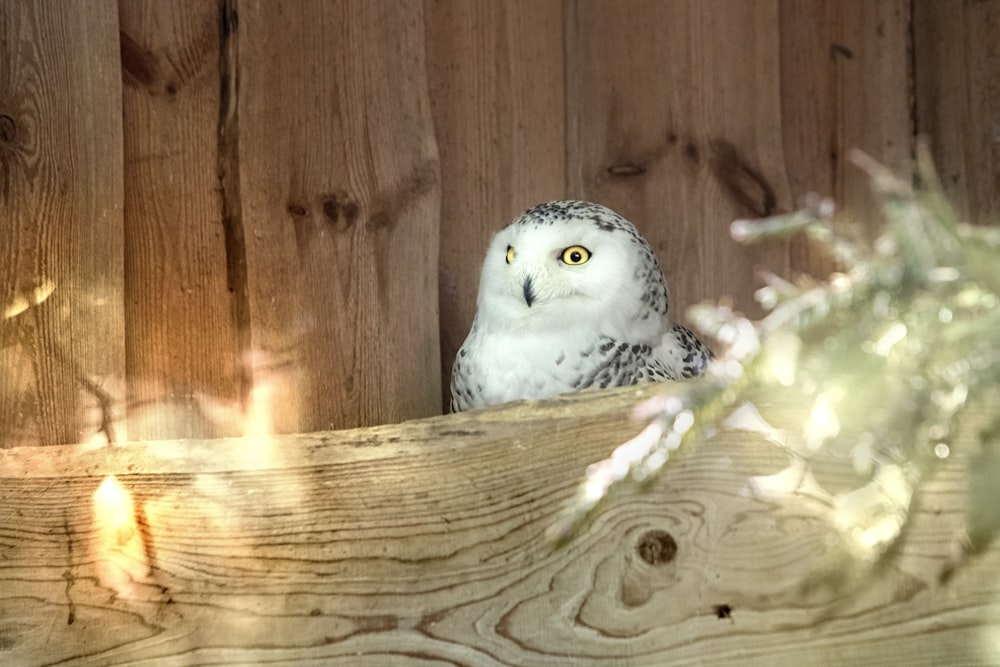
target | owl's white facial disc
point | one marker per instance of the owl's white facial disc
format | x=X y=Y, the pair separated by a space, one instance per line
x=567 y=263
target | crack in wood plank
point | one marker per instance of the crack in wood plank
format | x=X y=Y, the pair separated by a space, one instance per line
x=68 y=572
x=229 y=186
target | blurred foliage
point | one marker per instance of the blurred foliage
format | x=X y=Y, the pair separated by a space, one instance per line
x=885 y=356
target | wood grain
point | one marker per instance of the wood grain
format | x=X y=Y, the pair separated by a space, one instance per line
x=957 y=64
x=846 y=75
x=339 y=206
x=182 y=338
x=846 y=80
x=674 y=117
x=687 y=115
x=497 y=83
x=423 y=543
x=61 y=227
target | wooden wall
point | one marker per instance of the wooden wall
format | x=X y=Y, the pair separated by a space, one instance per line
x=238 y=203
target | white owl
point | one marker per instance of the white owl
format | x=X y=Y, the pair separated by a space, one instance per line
x=570 y=297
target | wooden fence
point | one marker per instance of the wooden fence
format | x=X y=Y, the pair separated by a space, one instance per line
x=202 y=202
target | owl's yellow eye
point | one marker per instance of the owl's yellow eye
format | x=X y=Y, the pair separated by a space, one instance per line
x=575 y=255
x=510 y=254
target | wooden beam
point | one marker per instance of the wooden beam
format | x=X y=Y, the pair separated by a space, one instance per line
x=424 y=543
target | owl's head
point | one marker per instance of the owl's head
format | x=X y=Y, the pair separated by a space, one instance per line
x=567 y=263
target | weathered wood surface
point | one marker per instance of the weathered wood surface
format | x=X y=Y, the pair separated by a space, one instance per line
x=424 y=543
x=658 y=100
x=957 y=68
x=339 y=197
x=182 y=328
x=845 y=74
x=497 y=81
x=308 y=187
x=687 y=115
x=60 y=216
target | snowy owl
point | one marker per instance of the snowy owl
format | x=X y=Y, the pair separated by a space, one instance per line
x=570 y=297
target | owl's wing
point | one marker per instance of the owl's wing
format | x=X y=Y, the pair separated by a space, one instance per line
x=683 y=352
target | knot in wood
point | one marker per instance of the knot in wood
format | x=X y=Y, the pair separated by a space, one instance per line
x=340 y=210
x=627 y=169
x=7 y=129
x=691 y=152
x=657 y=547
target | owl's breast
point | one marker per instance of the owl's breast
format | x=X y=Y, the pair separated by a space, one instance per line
x=495 y=368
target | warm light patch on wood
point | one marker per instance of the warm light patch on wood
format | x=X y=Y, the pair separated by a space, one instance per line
x=25 y=300
x=119 y=551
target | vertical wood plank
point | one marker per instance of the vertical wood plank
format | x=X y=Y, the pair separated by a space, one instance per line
x=61 y=222
x=957 y=62
x=497 y=81
x=687 y=114
x=182 y=341
x=675 y=122
x=339 y=192
x=846 y=83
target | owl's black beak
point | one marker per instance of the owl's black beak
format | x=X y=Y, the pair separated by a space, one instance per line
x=529 y=292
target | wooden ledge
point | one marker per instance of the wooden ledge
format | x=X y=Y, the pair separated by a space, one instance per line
x=423 y=543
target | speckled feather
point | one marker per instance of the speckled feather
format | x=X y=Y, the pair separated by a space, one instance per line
x=544 y=326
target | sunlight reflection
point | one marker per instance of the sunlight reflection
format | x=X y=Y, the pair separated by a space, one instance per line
x=27 y=299
x=255 y=420
x=863 y=455
x=781 y=357
x=748 y=418
x=120 y=556
x=895 y=333
x=822 y=423
x=258 y=425
x=991 y=644
x=796 y=479
x=873 y=514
